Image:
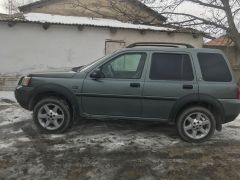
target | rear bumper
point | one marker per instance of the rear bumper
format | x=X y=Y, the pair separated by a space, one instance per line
x=231 y=109
x=23 y=95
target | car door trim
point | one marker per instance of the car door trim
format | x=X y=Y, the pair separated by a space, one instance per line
x=126 y=96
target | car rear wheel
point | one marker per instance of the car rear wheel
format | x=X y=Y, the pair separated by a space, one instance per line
x=52 y=115
x=196 y=124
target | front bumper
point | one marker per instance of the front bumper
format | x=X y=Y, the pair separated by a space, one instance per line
x=231 y=109
x=23 y=96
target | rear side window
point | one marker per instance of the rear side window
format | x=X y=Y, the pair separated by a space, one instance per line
x=214 y=67
x=171 y=67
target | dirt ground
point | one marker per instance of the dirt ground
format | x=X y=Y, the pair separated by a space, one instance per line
x=106 y=150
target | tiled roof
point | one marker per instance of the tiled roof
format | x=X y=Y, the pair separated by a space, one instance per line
x=221 y=41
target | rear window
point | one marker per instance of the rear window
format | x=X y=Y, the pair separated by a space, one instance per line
x=171 y=67
x=214 y=67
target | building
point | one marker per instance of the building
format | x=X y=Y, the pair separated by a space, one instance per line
x=123 y=10
x=229 y=48
x=53 y=34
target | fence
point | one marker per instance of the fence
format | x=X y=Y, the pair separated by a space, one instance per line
x=8 y=83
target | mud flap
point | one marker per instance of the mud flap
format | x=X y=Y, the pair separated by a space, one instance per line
x=219 y=127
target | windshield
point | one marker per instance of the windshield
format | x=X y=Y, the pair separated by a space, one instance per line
x=93 y=63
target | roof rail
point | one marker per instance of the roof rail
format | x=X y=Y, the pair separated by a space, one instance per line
x=161 y=44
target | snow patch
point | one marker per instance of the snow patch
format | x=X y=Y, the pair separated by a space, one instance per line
x=14 y=114
x=23 y=139
x=4 y=145
x=115 y=142
x=230 y=131
x=55 y=136
x=76 y=20
x=7 y=95
x=4 y=123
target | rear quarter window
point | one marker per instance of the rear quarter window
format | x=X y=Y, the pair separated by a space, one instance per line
x=214 y=67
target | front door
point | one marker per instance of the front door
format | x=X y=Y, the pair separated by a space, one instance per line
x=118 y=92
x=170 y=77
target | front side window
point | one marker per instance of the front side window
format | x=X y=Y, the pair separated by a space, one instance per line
x=214 y=67
x=127 y=66
x=171 y=67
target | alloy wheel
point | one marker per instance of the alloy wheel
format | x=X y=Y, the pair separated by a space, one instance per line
x=51 y=116
x=197 y=125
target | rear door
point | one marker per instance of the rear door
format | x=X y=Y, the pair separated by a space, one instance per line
x=170 y=76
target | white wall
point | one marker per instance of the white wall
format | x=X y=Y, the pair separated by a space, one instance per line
x=131 y=36
x=28 y=47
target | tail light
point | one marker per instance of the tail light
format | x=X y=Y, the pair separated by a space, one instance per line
x=238 y=93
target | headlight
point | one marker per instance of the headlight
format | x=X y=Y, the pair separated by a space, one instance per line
x=26 y=81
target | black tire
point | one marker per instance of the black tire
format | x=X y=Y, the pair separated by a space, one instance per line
x=182 y=119
x=66 y=122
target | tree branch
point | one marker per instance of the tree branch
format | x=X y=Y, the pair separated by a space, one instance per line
x=206 y=4
x=205 y=21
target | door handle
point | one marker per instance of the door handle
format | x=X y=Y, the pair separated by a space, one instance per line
x=135 y=85
x=187 y=86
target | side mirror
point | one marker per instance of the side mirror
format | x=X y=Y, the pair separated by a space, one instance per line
x=96 y=74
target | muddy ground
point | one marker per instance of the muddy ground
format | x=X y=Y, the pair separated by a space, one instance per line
x=106 y=150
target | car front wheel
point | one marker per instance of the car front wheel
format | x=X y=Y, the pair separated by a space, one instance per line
x=196 y=124
x=52 y=115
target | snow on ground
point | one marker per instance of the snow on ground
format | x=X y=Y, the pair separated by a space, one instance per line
x=11 y=113
x=230 y=131
x=7 y=95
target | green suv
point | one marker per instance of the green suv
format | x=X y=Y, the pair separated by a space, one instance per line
x=174 y=83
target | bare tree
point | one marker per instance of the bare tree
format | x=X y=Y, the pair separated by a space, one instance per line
x=123 y=10
x=221 y=16
x=12 y=5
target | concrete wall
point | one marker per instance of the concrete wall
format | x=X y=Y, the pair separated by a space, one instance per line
x=26 y=48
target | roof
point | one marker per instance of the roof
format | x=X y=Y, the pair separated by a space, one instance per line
x=221 y=41
x=79 y=21
x=135 y=2
x=41 y=18
x=14 y=17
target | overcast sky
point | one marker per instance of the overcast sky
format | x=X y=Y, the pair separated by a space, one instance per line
x=1 y=7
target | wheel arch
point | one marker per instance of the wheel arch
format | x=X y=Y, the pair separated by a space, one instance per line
x=203 y=100
x=55 y=91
